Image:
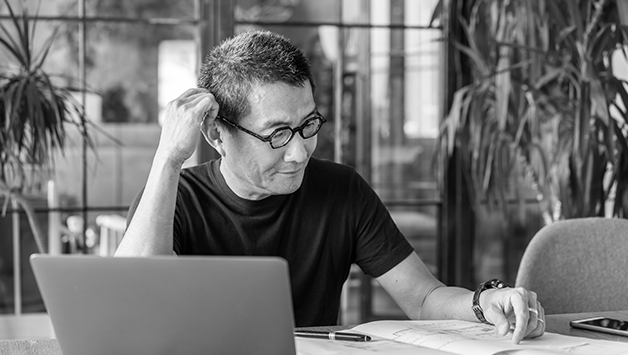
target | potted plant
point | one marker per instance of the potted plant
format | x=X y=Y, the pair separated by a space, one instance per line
x=540 y=116
x=544 y=107
x=35 y=113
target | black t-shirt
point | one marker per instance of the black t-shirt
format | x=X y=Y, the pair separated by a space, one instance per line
x=333 y=220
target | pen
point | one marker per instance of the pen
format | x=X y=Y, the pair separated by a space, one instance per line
x=332 y=335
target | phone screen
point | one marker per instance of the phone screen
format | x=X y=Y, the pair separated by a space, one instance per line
x=603 y=324
x=609 y=323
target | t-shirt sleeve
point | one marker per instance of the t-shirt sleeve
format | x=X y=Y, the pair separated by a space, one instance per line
x=380 y=246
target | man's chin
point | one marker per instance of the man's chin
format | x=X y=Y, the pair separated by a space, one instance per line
x=289 y=184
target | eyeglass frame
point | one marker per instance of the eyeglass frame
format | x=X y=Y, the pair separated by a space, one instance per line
x=268 y=138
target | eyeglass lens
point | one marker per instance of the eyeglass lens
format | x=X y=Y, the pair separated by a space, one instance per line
x=282 y=136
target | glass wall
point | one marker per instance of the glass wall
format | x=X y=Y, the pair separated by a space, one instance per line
x=125 y=60
x=377 y=67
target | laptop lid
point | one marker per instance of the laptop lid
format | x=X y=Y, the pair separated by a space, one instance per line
x=167 y=305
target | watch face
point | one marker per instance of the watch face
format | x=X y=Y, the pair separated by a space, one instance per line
x=495 y=283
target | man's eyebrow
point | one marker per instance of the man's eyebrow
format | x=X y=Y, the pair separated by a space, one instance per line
x=280 y=123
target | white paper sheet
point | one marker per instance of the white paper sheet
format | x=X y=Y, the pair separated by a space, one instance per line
x=470 y=338
x=309 y=346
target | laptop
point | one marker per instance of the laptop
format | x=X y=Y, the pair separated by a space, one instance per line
x=167 y=305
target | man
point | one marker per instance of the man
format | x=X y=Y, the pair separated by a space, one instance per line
x=267 y=195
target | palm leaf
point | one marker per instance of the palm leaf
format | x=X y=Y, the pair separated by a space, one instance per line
x=11 y=46
x=576 y=17
x=453 y=119
x=533 y=64
x=34 y=111
x=16 y=46
x=437 y=13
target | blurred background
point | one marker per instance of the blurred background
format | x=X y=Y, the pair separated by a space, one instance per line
x=416 y=100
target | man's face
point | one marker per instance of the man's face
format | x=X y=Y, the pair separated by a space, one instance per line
x=254 y=170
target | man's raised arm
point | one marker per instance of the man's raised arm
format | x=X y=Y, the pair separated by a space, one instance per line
x=150 y=231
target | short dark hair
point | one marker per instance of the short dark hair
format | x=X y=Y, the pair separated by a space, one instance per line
x=251 y=58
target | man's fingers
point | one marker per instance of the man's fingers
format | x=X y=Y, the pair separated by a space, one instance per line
x=209 y=107
x=517 y=310
x=533 y=315
x=183 y=118
x=536 y=322
x=502 y=326
x=194 y=106
x=500 y=318
x=202 y=105
x=519 y=303
x=197 y=99
x=191 y=94
x=539 y=329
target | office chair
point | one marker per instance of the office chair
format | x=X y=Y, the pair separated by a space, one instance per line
x=578 y=265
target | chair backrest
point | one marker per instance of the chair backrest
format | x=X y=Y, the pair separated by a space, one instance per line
x=578 y=265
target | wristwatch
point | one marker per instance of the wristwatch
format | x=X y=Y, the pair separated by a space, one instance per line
x=494 y=283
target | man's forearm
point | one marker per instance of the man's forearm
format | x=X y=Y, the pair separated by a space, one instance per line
x=448 y=303
x=151 y=229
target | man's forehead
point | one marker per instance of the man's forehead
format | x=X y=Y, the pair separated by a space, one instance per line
x=277 y=90
x=279 y=104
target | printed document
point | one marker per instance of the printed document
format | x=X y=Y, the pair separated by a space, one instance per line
x=469 y=338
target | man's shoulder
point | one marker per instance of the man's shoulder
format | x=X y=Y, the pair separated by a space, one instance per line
x=326 y=174
x=200 y=170
x=201 y=177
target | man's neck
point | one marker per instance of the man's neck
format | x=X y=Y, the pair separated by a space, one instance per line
x=235 y=185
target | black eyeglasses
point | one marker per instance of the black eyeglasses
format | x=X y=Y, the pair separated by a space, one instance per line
x=281 y=136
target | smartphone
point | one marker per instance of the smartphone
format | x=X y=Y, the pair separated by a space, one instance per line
x=602 y=324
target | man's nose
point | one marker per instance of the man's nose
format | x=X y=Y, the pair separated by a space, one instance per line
x=297 y=149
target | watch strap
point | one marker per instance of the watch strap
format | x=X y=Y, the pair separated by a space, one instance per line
x=479 y=312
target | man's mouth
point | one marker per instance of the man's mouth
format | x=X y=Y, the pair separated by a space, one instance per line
x=291 y=172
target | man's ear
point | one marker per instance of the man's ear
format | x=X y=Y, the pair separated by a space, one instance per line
x=212 y=133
